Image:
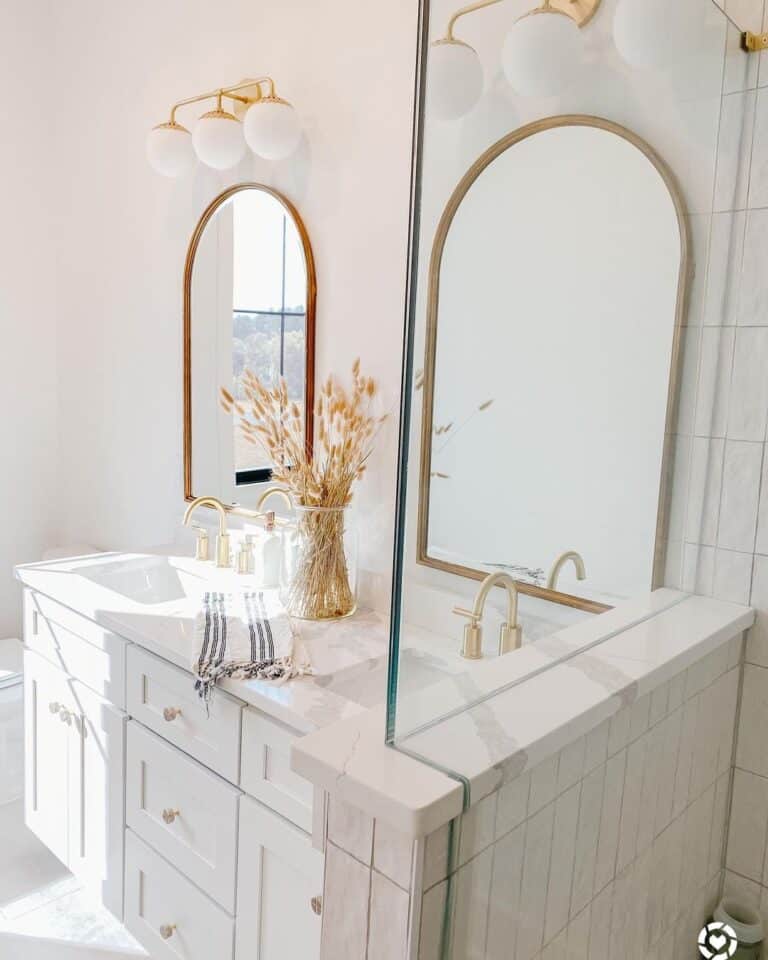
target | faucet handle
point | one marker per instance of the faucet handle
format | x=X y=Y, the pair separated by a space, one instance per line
x=469 y=614
x=472 y=647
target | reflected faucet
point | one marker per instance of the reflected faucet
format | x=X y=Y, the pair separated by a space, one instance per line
x=222 y=540
x=510 y=634
x=275 y=492
x=557 y=566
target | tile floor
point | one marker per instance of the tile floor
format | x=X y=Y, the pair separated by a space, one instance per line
x=44 y=912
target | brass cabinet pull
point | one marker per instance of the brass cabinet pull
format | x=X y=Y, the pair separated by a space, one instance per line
x=170 y=815
x=171 y=713
x=167 y=930
x=317 y=905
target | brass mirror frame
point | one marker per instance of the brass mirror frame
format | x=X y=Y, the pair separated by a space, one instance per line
x=430 y=350
x=311 y=304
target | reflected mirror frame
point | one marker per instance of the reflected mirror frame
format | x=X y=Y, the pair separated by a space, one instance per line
x=309 y=385
x=430 y=351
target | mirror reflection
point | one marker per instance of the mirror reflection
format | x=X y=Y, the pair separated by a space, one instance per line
x=250 y=306
x=553 y=309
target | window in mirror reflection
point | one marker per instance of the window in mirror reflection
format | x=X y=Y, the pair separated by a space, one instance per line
x=269 y=311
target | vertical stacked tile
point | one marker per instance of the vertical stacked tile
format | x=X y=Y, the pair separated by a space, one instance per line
x=367 y=903
x=610 y=850
x=723 y=499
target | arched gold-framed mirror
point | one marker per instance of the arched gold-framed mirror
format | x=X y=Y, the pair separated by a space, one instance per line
x=250 y=294
x=518 y=212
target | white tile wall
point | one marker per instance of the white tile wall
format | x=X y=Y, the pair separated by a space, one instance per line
x=725 y=549
x=628 y=859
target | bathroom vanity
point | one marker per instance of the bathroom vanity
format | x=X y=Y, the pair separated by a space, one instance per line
x=188 y=824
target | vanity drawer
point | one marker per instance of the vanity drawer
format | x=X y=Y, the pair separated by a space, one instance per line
x=201 y=839
x=77 y=645
x=167 y=914
x=163 y=698
x=266 y=769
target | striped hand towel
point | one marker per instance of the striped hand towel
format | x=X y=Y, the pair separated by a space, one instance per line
x=244 y=636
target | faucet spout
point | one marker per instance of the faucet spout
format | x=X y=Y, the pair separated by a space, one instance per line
x=222 y=540
x=510 y=634
x=557 y=566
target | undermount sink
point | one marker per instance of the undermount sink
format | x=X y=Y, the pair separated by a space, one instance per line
x=147 y=579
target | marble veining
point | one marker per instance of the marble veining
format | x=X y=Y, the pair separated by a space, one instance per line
x=493 y=742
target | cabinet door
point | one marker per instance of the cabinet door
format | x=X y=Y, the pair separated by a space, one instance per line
x=279 y=885
x=96 y=800
x=48 y=724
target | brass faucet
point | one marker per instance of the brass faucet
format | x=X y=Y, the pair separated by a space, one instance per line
x=510 y=634
x=272 y=492
x=222 y=540
x=557 y=566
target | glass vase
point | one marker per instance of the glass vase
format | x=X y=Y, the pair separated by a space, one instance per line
x=320 y=571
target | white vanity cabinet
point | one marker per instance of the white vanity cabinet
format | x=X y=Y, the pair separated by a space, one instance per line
x=75 y=754
x=278 y=867
x=188 y=822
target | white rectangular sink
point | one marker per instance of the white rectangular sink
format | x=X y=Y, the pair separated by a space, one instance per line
x=148 y=580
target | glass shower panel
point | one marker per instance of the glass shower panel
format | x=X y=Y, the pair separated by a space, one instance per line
x=558 y=266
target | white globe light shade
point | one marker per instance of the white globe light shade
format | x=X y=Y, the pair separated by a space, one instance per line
x=649 y=33
x=169 y=149
x=542 y=52
x=218 y=140
x=272 y=128
x=455 y=81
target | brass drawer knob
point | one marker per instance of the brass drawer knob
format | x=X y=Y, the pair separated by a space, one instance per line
x=170 y=713
x=317 y=905
x=170 y=815
x=167 y=930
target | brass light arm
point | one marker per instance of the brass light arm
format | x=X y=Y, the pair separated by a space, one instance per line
x=470 y=8
x=583 y=11
x=232 y=93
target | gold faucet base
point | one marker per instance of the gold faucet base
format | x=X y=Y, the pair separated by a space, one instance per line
x=472 y=648
x=510 y=638
x=222 y=550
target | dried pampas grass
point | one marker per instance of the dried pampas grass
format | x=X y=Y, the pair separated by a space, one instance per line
x=345 y=428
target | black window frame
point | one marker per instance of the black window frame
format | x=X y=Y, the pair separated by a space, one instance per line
x=245 y=478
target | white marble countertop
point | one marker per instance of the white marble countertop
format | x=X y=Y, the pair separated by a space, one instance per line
x=522 y=716
x=339 y=651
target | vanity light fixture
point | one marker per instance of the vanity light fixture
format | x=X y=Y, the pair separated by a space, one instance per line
x=258 y=118
x=544 y=47
x=540 y=53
